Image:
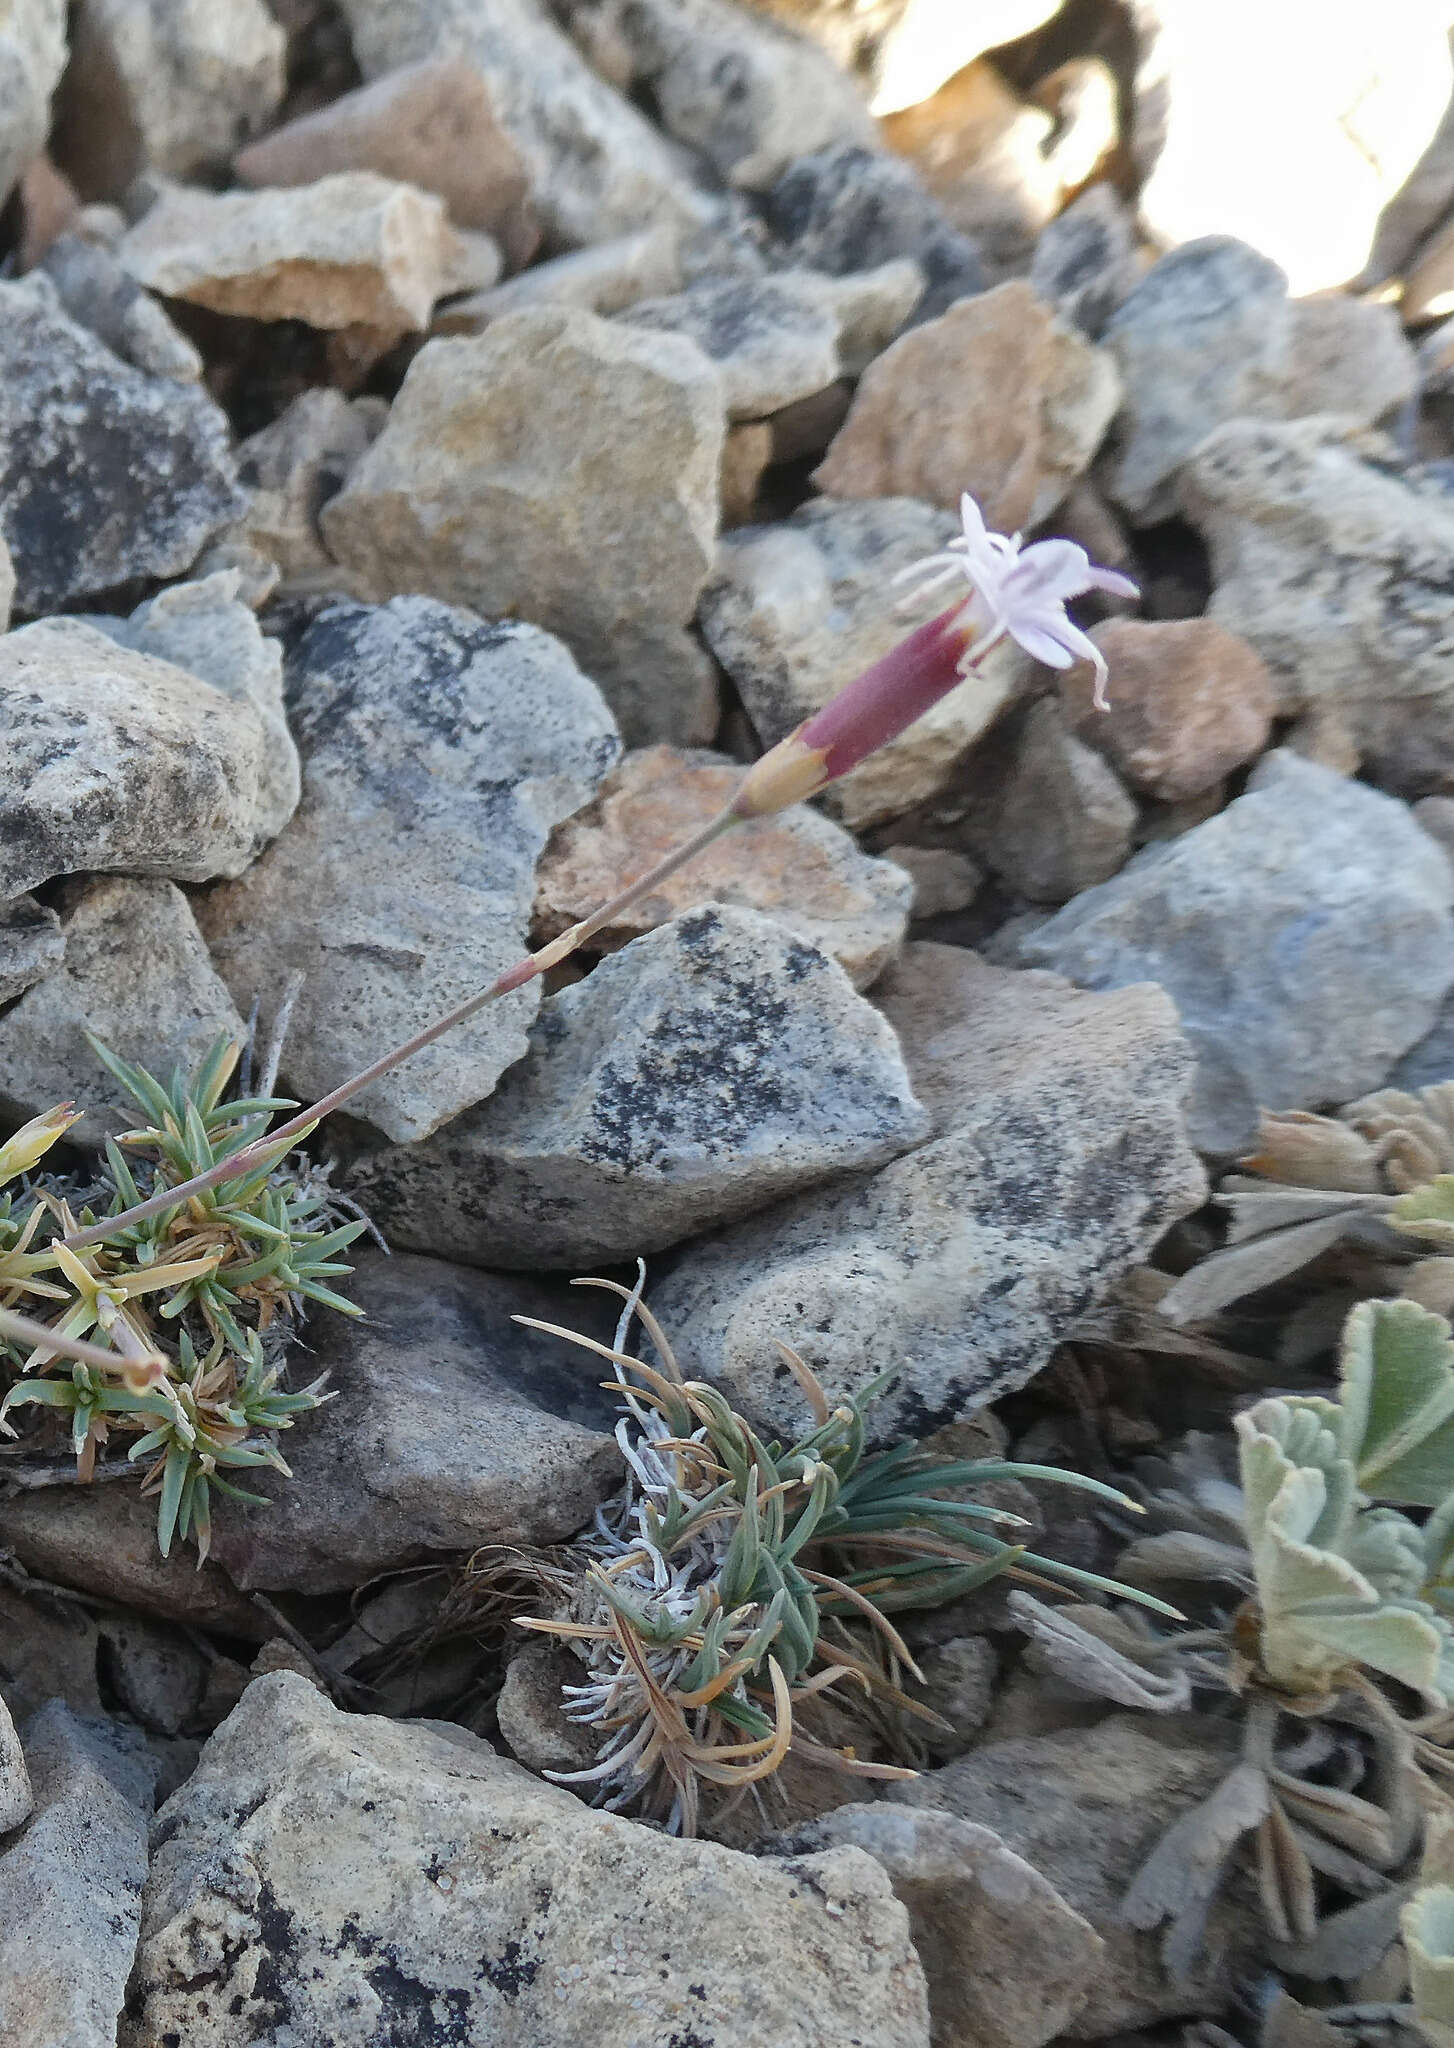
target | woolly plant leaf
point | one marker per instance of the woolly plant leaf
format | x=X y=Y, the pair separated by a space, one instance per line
x=1397 y=1373
x=1427 y=1212
x=1397 y=1640
x=1427 y=1923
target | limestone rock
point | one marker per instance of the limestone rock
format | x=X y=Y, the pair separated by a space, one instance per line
x=106 y=474
x=170 y=85
x=16 y=1797
x=991 y=398
x=784 y=337
x=1051 y=818
x=944 y=880
x=1304 y=934
x=352 y=250
x=797 y=868
x=1189 y=703
x=425 y=1882
x=452 y=1427
x=1085 y=261
x=136 y=973
x=113 y=759
x=562 y=468
x=1008 y=1962
x=1209 y=335
x=746 y=93
x=1084 y=1808
x=604 y=279
x=97 y=292
x=439 y=750
x=846 y=208
x=32 y=57
x=1334 y=560
x=908 y=47
x=796 y=610
x=1418 y=206
x=597 y=167
x=31 y=944
x=711 y=1067
x=1059 y=1157
x=293 y=467
x=70 y=1888
x=430 y=124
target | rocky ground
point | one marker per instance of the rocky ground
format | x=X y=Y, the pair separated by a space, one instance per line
x=440 y=442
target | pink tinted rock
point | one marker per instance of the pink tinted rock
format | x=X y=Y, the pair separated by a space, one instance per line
x=1189 y=703
x=431 y=124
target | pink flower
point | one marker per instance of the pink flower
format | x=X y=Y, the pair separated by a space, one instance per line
x=1014 y=592
x=1022 y=593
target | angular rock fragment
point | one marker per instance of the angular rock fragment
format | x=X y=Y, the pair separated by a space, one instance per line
x=96 y=291
x=107 y=475
x=797 y=868
x=31 y=944
x=562 y=468
x=486 y=1890
x=1085 y=261
x=847 y=208
x=293 y=467
x=352 y=250
x=1059 y=1157
x=168 y=85
x=452 y=1427
x=1304 y=934
x=1045 y=812
x=16 y=1797
x=32 y=57
x=605 y=279
x=994 y=398
x=430 y=124
x=795 y=610
x=1008 y=1962
x=710 y=1068
x=597 y=167
x=439 y=751
x=1209 y=335
x=70 y=1887
x=111 y=758
x=135 y=973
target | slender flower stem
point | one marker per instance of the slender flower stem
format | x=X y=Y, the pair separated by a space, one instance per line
x=275 y=1144
x=24 y=1330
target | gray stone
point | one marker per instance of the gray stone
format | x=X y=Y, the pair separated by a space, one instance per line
x=597 y=167
x=170 y=85
x=794 y=611
x=351 y=250
x=439 y=750
x=781 y=338
x=1304 y=934
x=1008 y=1962
x=206 y=629
x=1420 y=205
x=397 y=1881
x=1085 y=262
x=135 y=973
x=452 y=1427
x=1053 y=817
x=1059 y=1158
x=432 y=125
x=1209 y=335
x=1334 y=559
x=31 y=944
x=604 y=279
x=848 y=208
x=563 y=468
x=796 y=866
x=96 y=291
x=293 y=467
x=711 y=1067
x=115 y=759
x=106 y=474
x=1085 y=1808
x=70 y=1888
x=745 y=92
x=959 y=1685
x=530 y=1709
x=16 y=1797
x=32 y=57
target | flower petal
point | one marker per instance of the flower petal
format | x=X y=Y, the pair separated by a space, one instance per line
x=1049 y=571
x=1113 y=581
x=1042 y=639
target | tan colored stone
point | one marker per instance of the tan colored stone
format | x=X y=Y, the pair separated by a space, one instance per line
x=799 y=868
x=746 y=453
x=994 y=398
x=352 y=250
x=432 y=125
x=1189 y=703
